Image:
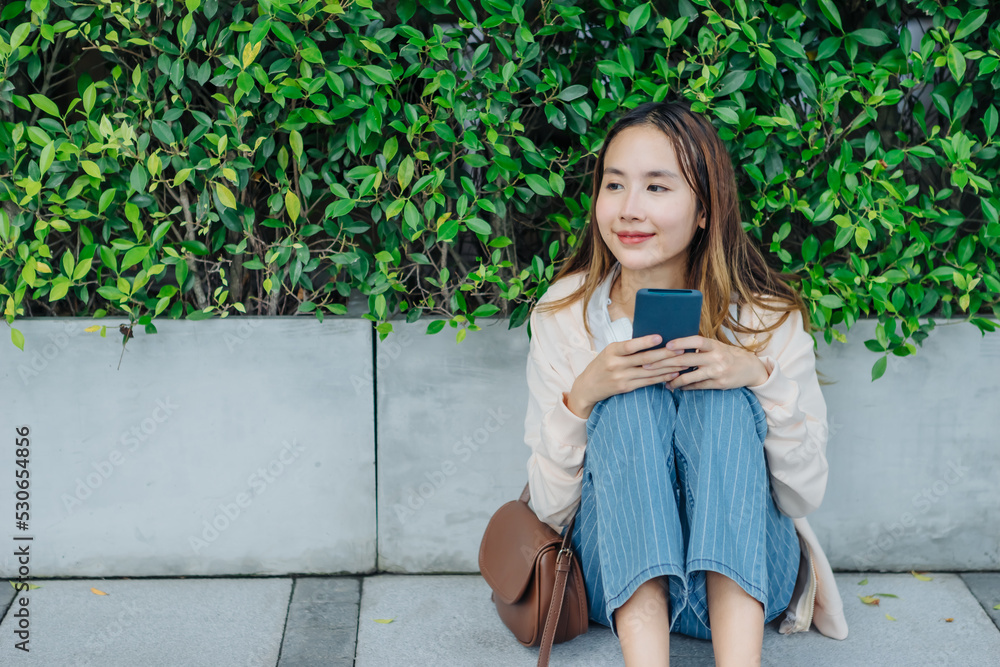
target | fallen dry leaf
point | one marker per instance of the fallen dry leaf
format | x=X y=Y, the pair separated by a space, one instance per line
x=863 y=582
x=890 y=617
x=93 y=328
x=948 y=620
x=920 y=576
x=97 y=592
x=384 y=620
x=869 y=599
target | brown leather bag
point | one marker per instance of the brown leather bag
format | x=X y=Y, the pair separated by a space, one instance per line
x=528 y=565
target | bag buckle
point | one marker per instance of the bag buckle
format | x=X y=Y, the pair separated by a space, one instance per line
x=569 y=553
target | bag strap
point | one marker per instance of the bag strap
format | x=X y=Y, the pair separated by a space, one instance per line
x=564 y=562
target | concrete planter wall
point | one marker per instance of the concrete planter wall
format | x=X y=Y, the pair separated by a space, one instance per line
x=219 y=447
x=913 y=456
x=248 y=446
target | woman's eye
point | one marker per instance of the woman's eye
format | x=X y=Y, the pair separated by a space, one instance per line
x=659 y=188
x=613 y=186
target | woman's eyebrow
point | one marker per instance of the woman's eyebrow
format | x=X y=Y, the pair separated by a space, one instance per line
x=656 y=173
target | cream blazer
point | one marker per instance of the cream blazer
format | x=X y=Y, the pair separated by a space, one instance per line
x=795 y=446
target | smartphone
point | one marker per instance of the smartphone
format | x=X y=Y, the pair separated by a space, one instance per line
x=671 y=313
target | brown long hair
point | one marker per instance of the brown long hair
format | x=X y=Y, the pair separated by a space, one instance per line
x=722 y=260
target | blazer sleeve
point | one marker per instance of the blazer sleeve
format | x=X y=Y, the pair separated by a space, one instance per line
x=795 y=445
x=557 y=437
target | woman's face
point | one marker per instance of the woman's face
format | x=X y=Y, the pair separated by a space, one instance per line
x=645 y=209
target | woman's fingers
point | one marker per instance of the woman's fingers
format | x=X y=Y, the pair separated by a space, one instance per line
x=634 y=345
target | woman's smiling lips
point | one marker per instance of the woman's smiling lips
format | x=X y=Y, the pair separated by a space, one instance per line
x=632 y=239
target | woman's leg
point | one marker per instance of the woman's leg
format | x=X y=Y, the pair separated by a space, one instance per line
x=644 y=626
x=627 y=532
x=722 y=468
x=737 y=622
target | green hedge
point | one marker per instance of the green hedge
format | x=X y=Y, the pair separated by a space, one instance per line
x=200 y=158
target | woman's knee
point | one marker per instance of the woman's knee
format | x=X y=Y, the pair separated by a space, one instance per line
x=631 y=413
x=738 y=403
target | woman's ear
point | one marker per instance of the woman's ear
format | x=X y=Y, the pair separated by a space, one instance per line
x=701 y=218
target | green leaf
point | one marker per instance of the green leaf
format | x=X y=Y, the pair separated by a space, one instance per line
x=956 y=63
x=486 y=310
x=48 y=154
x=295 y=141
x=181 y=176
x=831 y=301
x=162 y=132
x=292 y=205
x=538 y=184
x=435 y=326
x=92 y=169
x=830 y=11
x=727 y=115
x=18 y=338
x=45 y=104
x=870 y=36
x=478 y=226
x=990 y=121
x=731 y=82
x=19 y=34
x=970 y=23
x=109 y=259
x=379 y=75
x=571 y=93
x=638 y=17
x=134 y=256
x=225 y=196
x=82 y=269
x=862 y=236
x=879 y=368
x=138 y=178
x=405 y=173
x=111 y=293
x=790 y=48
x=59 y=290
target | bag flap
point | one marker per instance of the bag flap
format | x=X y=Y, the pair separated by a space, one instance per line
x=513 y=539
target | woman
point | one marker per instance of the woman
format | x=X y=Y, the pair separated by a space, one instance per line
x=689 y=490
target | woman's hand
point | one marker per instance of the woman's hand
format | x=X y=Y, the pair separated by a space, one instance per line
x=719 y=365
x=619 y=368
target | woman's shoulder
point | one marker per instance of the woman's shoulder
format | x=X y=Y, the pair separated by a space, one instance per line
x=563 y=287
x=769 y=307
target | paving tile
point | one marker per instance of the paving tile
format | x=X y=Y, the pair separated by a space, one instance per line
x=6 y=597
x=919 y=635
x=986 y=587
x=450 y=620
x=322 y=625
x=152 y=623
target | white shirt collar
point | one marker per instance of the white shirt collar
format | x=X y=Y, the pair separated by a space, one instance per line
x=605 y=330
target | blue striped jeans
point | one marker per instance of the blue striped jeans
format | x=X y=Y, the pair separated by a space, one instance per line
x=676 y=483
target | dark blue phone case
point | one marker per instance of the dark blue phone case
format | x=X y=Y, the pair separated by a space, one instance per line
x=672 y=313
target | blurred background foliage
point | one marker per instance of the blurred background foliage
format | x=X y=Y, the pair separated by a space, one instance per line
x=430 y=158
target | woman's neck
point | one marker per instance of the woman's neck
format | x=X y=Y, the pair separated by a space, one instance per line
x=627 y=284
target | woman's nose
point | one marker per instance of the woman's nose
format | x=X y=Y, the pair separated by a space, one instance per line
x=631 y=206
